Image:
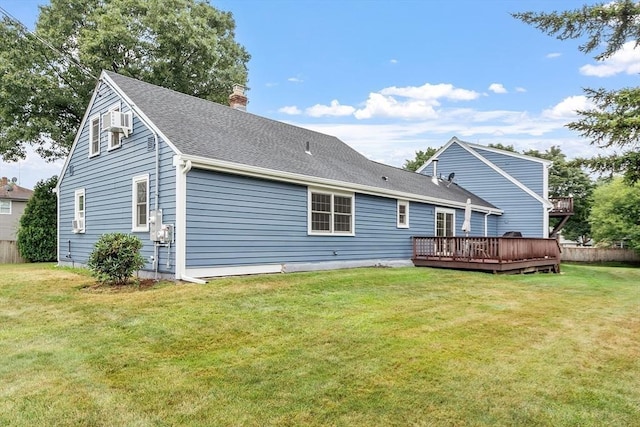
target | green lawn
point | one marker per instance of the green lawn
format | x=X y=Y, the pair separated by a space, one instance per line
x=365 y=347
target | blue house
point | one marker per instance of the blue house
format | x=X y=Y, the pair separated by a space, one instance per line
x=213 y=190
x=518 y=184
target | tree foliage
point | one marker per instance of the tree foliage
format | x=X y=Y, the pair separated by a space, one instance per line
x=420 y=159
x=115 y=257
x=185 y=45
x=615 y=215
x=568 y=179
x=503 y=147
x=614 y=121
x=37 y=233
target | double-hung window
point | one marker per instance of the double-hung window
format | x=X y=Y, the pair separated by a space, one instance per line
x=79 y=211
x=94 y=136
x=5 y=207
x=115 y=138
x=331 y=213
x=402 y=214
x=140 y=203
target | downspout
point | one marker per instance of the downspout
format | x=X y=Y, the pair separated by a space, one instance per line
x=486 y=231
x=182 y=168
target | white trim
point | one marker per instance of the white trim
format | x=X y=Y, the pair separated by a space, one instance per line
x=326 y=184
x=10 y=204
x=115 y=107
x=332 y=194
x=509 y=153
x=435 y=222
x=180 y=232
x=404 y=203
x=197 y=272
x=96 y=90
x=135 y=227
x=143 y=117
x=76 y=212
x=57 y=192
x=487 y=162
x=92 y=134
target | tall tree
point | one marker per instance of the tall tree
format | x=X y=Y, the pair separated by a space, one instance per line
x=568 y=179
x=615 y=216
x=47 y=77
x=37 y=233
x=420 y=159
x=615 y=119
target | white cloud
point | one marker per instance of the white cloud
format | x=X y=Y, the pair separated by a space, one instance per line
x=497 y=88
x=335 y=109
x=290 y=109
x=295 y=80
x=566 y=109
x=31 y=169
x=626 y=60
x=554 y=55
x=393 y=61
x=520 y=89
x=431 y=93
x=271 y=84
x=379 y=105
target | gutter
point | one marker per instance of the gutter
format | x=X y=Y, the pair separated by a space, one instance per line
x=294 y=178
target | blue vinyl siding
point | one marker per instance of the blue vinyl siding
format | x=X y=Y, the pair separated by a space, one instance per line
x=234 y=220
x=528 y=172
x=522 y=212
x=107 y=180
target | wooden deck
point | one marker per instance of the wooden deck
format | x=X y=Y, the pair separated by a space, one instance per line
x=494 y=254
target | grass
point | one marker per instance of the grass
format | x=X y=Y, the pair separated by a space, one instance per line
x=405 y=347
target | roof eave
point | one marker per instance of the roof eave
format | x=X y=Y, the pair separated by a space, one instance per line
x=300 y=179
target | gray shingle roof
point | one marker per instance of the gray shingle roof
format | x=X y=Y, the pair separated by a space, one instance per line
x=203 y=128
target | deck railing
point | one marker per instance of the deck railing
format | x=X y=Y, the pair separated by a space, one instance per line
x=562 y=205
x=485 y=249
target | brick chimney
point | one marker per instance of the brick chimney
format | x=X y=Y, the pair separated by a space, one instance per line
x=238 y=100
x=5 y=181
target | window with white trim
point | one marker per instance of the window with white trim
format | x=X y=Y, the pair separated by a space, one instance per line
x=79 y=211
x=140 y=203
x=115 y=138
x=445 y=222
x=5 y=207
x=331 y=213
x=402 y=214
x=94 y=136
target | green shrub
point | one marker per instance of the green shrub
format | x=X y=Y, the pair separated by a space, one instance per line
x=37 y=237
x=115 y=257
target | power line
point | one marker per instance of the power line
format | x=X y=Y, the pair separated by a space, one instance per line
x=65 y=55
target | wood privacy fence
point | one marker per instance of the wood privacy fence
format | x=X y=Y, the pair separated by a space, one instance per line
x=580 y=254
x=9 y=252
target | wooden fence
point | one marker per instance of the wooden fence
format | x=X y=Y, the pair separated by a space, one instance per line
x=580 y=254
x=9 y=252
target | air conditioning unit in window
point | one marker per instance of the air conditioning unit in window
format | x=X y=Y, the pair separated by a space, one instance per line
x=78 y=225
x=116 y=121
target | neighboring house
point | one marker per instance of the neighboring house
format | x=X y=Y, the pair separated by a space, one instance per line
x=517 y=183
x=239 y=193
x=13 y=200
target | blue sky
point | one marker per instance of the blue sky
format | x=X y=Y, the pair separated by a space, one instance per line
x=393 y=77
